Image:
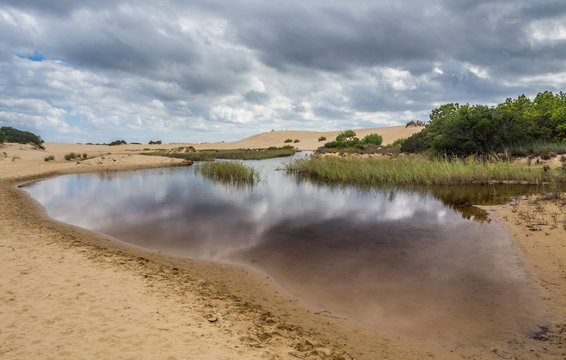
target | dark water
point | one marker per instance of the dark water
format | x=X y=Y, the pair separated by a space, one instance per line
x=416 y=262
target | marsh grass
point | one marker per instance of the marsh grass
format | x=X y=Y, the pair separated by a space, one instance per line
x=229 y=172
x=236 y=154
x=544 y=149
x=421 y=170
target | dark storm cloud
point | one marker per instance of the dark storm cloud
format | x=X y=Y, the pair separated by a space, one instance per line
x=248 y=66
x=58 y=7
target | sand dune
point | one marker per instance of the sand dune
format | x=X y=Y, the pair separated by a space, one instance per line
x=308 y=140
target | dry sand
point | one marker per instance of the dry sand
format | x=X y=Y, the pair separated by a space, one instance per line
x=70 y=293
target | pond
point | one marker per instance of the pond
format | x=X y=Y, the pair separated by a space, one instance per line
x=413 y=262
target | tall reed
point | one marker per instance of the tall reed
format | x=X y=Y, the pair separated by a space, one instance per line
x=228 y=171
x=420 y=170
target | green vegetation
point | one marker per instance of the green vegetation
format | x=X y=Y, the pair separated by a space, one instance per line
x=373 y=139
x=322 y=138
x=189 y=153
x=71 y=156
x=118 y=142
x=397 y=143
x=158 y=142
x=479 y=129
x=230 y=172
x=49 y=158
x=347 y=141
x=544 y=149
x=421 y=170
x=9 y=134
x=415 y=123
x=296 y=140
x=288 y=141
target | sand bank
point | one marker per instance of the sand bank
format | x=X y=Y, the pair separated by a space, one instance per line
x=70 y=293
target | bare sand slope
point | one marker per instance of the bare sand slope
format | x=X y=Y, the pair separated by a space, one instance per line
x=308 y=140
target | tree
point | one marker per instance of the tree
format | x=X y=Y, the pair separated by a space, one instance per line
x=9 y=134
x=464 y=130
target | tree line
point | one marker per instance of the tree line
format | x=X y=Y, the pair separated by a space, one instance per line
x=463 y=130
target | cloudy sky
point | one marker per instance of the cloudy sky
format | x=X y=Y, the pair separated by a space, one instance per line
x=208 y=70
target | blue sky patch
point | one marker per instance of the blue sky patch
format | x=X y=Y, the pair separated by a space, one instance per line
x=33 y=57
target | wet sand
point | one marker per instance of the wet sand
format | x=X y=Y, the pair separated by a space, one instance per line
x=68 y=293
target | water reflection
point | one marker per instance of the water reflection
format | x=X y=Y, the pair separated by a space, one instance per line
x=397 y=259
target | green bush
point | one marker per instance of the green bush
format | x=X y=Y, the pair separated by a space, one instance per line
x=288 y=140
x=373 y=139
x=9 y=134
x=49 y=158
x=346 y=139
x=414 y=123
x=118 y=142
x=296 y=140
x=322 y=138
x=158 y=142
x=398 y=143
x=71 y=156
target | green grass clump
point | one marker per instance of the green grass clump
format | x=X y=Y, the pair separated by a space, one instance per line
x=71 y=156
x=420 y=170
x=230 y=172
x=49 y=158
x=236 y=154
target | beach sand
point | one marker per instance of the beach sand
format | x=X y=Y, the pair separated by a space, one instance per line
x=68 y=293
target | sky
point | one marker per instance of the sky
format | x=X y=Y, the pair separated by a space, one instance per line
x=208 y=70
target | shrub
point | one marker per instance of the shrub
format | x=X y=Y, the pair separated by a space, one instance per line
x=9 y=134
x=322 y=138
x=84 y=156
x=373 y=139
x=296 y=140
x=71 y=156
x=49 y=158
x=288 y=140
x=157 y=142
x=346 y=136
x=398 y=143
x=118 y=142
x=415 y=123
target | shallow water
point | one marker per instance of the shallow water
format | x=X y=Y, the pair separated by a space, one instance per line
x=399 y=260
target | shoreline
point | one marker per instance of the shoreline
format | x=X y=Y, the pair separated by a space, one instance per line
x=245 y=314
